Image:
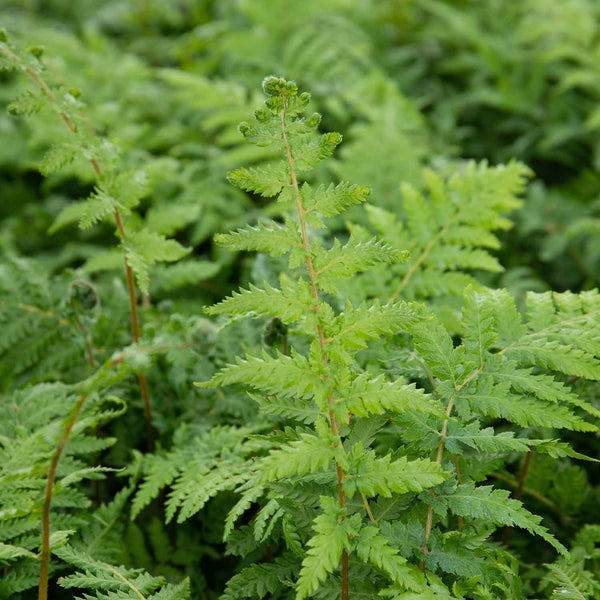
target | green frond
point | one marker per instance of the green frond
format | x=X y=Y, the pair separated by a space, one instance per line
x=308 y=454
x=545 y=387
x=484 y=440
x=28 y=103
x=144 y=248
x=59 y=156
x=342 y=261
x=554 y=356
x=372 y=475
x=307 y=153
x=267 y=518
x=269 y=237
x=435 y=346
x=195 y=470
x=495 y=506
x=285 y=375
x=98 y=207
x=323 y=556
x=350 y=330
x=477 y=321
x=290 y=303
x=561 y=333
x=373 y=548
x=125 y=583
x=195 y=486
x=267 y=181
x=159 y=472
x=449 y=229
x=332 y=200
x=252 y=490
x=496 y=400
x=9 y=552
x=259 y=580
x=287 y=408
x=375 y=396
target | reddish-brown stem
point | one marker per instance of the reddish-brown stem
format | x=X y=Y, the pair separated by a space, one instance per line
x=519 y=492
x=461 y=521
x=135 y=329
x=135 y=322
x=45 y=548
x=322 y=342
x=438 y=460
x=45 y=555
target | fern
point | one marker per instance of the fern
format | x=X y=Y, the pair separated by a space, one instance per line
x=373 y=420
x=38 y=315
x=449 y=232
x=110 y=582
x=28 y=439
x=326 y=374
x=196 y=470
x=568 y=577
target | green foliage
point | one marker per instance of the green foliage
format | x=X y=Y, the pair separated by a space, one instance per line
x=328 y=371
x=374 y=407
x=449 y=232
x=116 y=582
x=326 y=547
x=33 y=420
x=569 y=577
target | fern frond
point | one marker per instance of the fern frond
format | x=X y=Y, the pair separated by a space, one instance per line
x=350 y=330
x=305 y=455
x=495 y=506
x=374 y=396
x=291 y=302
x=269 y=237
x=124 y=583
x=266 y=181
x=285 y=375
x=373 y=548
x=144 y=248
x=259 y=580
x=326 y=546
x=353 y=257
x=334 y=199
x=372 y=475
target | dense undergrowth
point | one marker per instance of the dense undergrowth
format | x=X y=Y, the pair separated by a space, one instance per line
x=237 y=361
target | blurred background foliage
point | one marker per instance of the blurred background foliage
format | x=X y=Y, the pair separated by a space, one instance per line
x=409 y=84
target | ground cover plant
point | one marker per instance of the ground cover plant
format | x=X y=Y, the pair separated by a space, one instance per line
x=335 y=336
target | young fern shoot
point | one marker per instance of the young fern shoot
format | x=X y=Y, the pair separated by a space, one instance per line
x=324 y=380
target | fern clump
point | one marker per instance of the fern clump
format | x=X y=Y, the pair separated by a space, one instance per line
x=373 y=422
x=504 y=368
x=318 y=381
